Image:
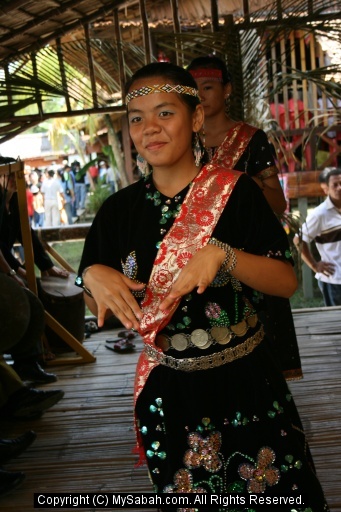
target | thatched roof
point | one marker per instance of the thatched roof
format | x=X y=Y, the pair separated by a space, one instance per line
x=82 y=51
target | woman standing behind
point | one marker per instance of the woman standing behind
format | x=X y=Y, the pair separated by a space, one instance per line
x=243 y=147
x=213 y=412
x=234 y=144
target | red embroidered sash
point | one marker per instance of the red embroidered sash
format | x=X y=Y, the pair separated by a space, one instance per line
x=234 y=145
x=190 y=232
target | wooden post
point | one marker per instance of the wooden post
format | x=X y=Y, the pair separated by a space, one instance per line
x=146 y=33
x=91 y=65
x=214 y=16
x=25 y=226
x=120 y=56
x=177 y=30
x=35 y=74
x=63 y=74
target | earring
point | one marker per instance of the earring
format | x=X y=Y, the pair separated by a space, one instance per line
x=227 y=104
x=142 y=165
x=197 y=150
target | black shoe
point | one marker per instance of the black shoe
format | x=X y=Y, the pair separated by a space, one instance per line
x=10 y=480
x=30 y=403
x=11 y=448
x=33 y=372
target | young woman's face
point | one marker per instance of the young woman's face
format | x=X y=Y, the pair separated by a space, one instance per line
x=213 y=95
x=161 y=125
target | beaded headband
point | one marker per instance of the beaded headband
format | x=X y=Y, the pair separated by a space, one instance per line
x=212 y=74
x=151 y=89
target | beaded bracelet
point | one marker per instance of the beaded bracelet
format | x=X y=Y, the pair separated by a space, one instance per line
x=85 y=288
x=230 y=255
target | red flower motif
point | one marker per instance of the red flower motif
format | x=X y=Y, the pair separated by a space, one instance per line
x=163 y=279
x=204 y=451
x=200 y=194
x=263 y=473
x=183 y=259
x=179 y=233
x=204 y=218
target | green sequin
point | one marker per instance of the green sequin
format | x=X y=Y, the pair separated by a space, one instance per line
x=289 y=458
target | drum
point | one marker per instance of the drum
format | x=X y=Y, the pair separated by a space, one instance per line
x=64 y=301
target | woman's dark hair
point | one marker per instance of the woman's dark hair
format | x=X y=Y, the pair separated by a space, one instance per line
x=211 y=63
x=170 y=73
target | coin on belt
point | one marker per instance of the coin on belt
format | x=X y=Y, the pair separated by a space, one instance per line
x=222 y=335
x=162 y=342
x=252 y=320
x=199 y=337
x=239 y=329
x=208 y=344
x=179 y=342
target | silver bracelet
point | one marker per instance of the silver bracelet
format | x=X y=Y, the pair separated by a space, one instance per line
x=230 y=255
x=85 y=288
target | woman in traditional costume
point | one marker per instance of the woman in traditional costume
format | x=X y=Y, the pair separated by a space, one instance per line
x=177 y=257
x=236 y=144
x=243 y=147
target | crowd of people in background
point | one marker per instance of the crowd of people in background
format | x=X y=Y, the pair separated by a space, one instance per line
x=57 y=195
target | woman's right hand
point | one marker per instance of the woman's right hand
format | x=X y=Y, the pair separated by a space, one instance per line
x=111 y=291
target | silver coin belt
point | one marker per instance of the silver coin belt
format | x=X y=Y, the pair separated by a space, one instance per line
x=201 y=338
x=192 y=364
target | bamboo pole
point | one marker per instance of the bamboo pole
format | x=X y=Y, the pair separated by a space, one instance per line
x=177 y=30
x=35 y=74
x=295 y=96
x=8 y=85
x=215 y=16
x=146 y=32
x=63 y=74
x=120 y=55
x=246 y=11
x=304 y=82
x=91 y=65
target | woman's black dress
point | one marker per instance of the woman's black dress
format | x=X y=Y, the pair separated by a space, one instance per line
x=233 y=428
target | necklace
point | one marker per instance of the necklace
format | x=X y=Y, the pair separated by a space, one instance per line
x=169 y=207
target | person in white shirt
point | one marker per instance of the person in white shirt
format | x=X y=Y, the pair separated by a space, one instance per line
x=51 y=189
x=323 y=225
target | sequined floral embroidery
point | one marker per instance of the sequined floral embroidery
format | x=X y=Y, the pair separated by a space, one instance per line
x=183 y=483
x=203 y=451
x=216 y=315
x=263 y=473
x=129 y=268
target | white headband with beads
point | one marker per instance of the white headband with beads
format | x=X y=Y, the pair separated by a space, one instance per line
x=151 y=89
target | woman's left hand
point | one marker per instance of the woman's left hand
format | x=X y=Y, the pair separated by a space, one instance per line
x=199 y=272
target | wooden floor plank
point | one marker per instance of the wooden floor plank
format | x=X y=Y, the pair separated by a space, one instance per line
x=85 y=442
